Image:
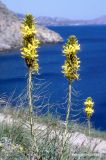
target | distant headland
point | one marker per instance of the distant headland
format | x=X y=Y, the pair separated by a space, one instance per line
x=10 y=37
x=57 y=21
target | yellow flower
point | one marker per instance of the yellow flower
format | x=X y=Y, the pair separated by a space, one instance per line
x=72 y=62
x=30 y=43
x=71 y=49
x=89 y=102
x=35 y=43
x=69 y=71
x=89 y=107
x=26 y=31
x=89 y=111
x=29 y=51
x=71 y=46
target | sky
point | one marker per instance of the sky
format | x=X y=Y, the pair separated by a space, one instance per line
x=72 y=9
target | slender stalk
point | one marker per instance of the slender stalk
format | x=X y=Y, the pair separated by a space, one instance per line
x=89 y=127
x=65 y=137
x=30 y=100
x=68 y=107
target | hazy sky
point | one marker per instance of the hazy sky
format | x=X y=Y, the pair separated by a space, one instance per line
x=74 y=9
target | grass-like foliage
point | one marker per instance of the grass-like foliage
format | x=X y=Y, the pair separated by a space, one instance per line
x=17 y=143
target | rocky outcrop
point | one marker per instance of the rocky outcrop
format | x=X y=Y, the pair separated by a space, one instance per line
x=10 y=36
x=47 y=35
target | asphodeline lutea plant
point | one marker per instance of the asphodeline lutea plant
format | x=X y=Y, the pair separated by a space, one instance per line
x=30 y=54
x=70 y=70
x=71 y=67
x=89 y=110
x=72 y=62
x=30 y=43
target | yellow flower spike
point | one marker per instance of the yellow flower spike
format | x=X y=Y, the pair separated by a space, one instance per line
x=71 y=46
x=89 y=111
x=72 y=62
x=89 y=107
x=89 y=102
x=30 y=43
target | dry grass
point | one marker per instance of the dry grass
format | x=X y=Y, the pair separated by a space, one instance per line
x=49 y=141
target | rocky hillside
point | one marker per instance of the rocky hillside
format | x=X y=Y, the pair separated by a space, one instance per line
x=10 y=31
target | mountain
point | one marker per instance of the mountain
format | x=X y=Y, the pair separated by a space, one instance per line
x=56 y=21
x=101 y=20
x=49 y=21
x=10 y=36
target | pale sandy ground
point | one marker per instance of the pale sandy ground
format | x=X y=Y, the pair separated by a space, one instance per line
x=97 y=145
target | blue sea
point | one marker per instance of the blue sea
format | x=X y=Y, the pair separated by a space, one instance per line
x=92 y=82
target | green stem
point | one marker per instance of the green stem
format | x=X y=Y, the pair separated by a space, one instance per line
x=30 y=100
x=69 y=106
x=67 y=117
x=89 y=127
x=31 y=108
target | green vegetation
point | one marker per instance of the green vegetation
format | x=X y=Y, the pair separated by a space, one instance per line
x=16 y=141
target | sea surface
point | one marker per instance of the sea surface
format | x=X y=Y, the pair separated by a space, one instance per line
x=92 y=82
